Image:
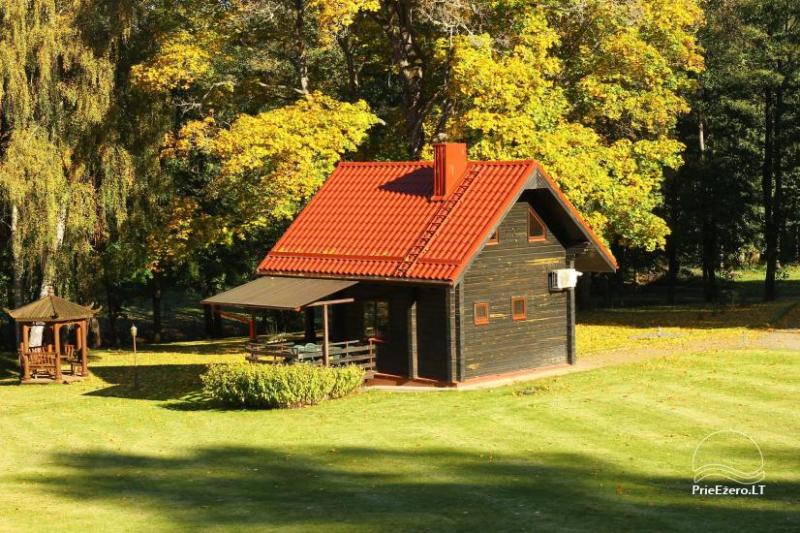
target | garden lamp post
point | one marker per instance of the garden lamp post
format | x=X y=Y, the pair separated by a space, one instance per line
x=134 y=330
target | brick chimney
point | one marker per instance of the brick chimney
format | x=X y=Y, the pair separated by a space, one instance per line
x=449 y=164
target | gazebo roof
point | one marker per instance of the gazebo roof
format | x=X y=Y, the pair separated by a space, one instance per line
x=51 y=308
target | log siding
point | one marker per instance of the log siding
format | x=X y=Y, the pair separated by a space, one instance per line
x=514 y=267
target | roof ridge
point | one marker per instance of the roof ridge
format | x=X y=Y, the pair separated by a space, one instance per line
x=384 y=163
x=427 y=162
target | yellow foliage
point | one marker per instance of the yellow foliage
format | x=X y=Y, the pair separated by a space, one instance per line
x=336 y=15
x=182 y=229
x=181 y=62
x=606 y=137
x=268 y=164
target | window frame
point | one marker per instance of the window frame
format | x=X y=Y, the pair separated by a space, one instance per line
x=532 y=215
x=514 y=315
x=480 y=321
x=494 y=238
x=371 y=308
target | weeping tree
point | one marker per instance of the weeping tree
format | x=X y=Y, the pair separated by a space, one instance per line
x=63 y=175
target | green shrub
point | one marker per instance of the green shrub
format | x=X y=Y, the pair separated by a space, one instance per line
x=346 y=379
x=272 y=386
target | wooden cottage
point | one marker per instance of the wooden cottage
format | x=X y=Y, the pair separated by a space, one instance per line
x=455 y=269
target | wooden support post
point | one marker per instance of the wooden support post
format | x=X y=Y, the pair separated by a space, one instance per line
x=252 y=328
x=413 y=352
x=79 y=335
x=26 y=337
x=325 y=336
x=571 y=355
x=26 y=369
x=57 y=337
x=57 y=340
x=84 y=336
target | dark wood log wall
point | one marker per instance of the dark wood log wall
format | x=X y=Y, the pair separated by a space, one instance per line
x=393 y=357
x=514 y=267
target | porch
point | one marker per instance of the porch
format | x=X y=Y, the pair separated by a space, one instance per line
x=299 y=295
x=354 y=352
x=399 y=333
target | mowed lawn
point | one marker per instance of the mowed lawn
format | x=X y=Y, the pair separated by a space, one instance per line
x=606 y=450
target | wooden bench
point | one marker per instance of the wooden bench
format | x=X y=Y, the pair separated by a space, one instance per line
x=40 y=359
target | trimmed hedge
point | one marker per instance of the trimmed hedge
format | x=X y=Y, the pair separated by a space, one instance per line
x=256 y=386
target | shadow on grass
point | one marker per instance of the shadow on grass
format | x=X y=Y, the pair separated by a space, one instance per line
x=9 y=368
x=233 y=345
x=377 y=489
x=180 y=383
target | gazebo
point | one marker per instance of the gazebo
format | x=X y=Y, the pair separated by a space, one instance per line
x=43 y=349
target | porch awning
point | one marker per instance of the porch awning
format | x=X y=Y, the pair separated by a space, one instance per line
x=270 y=292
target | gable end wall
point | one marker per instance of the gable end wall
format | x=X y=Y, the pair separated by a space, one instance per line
x=514 y=267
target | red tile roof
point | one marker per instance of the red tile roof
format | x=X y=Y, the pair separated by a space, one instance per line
x=368 y=218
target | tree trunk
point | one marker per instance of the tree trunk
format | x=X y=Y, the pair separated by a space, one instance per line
x=112 y=301
x=710 y=260
x=155 y=286
x=709 y=252
x=673 y=268
x=353 y=84
x=671 y=197
x=301 y=63
x=770 y=228
x=48 y=263
x=208 y=319
x=16 y=257
x=399 y=27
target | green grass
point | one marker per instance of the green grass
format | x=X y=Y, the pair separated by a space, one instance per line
x=607 y=450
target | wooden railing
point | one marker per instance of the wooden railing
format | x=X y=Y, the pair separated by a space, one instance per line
x=340 y=353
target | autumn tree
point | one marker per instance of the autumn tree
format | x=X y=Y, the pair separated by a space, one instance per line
x=63 y=176
x=593 y=90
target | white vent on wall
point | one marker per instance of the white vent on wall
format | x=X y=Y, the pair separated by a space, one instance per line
x=563 y=278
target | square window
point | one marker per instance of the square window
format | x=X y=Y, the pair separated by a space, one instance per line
x=494 y=238
x=518 y=310
x=536 y=229
x=481 y=313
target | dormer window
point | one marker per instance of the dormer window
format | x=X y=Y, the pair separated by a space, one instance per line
x=536 y=229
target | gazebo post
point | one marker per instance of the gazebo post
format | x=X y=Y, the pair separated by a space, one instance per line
x=84 y=339
x=57 y=339
x=26 y=335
